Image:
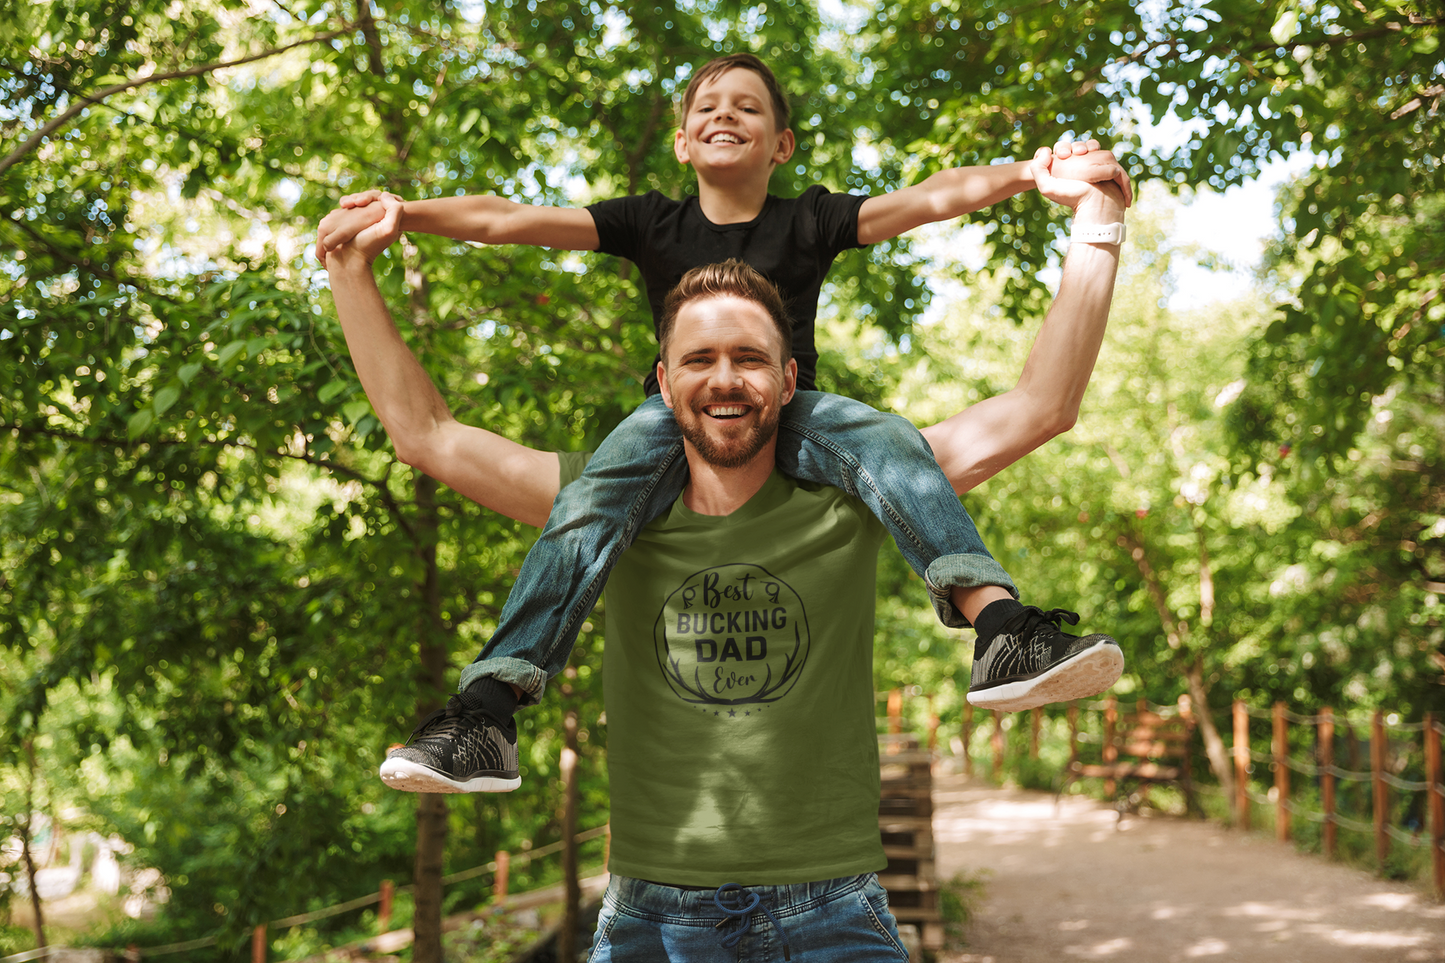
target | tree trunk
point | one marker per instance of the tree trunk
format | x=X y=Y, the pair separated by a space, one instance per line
x=431 y=851
x=25 y=842
x=431 y=810
x=1214 y=748
x=571 y=906
x=1177 y=635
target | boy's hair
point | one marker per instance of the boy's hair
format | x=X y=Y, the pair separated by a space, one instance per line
x=782 y=110
x=731 y=277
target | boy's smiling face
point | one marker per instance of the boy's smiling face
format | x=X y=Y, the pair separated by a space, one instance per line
x=731 y=127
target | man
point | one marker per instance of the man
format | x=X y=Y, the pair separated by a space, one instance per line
x=738 y=680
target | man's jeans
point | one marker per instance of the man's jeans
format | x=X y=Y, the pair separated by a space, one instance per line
x=640 y=470
x=835 y=921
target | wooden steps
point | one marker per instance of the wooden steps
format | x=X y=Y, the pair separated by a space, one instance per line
x=905 y=821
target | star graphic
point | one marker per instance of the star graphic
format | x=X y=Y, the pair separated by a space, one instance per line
x=732 y=713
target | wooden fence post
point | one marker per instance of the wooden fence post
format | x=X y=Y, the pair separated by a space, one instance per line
x=1327 y=777
x=258 y=944
x=1036 y=716
x=383 y=913
x=967 y=735
x=998 y=744
x=895 y=712
x=1241 y=764
x=1073 y=733
x=1382 y=791
x=1281 y=774
x=1111 y=749
x=932 y=726
x=499 y=882
x=1436 y=795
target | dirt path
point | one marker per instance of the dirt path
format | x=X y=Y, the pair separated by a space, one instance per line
x=1070 y=886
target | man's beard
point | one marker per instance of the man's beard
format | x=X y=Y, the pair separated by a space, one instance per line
x=733 y=452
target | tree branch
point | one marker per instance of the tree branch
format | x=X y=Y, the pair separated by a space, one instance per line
x=85 y=100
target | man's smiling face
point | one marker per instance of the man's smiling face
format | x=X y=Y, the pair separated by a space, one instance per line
x=731 y=124
x=725 y=380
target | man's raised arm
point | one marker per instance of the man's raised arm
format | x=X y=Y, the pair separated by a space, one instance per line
x=985 y=438
x=493 y=471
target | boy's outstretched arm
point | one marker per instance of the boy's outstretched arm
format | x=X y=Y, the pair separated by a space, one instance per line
x=962 y=190
x=497 y=472
x=984 y=438
x=472 y=217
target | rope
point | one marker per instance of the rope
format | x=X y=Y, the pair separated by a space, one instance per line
x=1339 y=773
x=1310 y=769
x=1312 y=815
x=1413 y=840
x=1352 y=824
x=28 y=955
x=1314 y=720
x=322 y=914
x=525 y=857
x=1408 y=785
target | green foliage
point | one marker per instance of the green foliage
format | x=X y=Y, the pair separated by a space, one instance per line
x=221 y=595
x=958 y=900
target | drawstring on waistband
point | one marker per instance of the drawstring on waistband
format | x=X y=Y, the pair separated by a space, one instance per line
x=743 y=914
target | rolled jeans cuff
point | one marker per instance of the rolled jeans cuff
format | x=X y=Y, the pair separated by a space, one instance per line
x=526 y=676
x=949 y=572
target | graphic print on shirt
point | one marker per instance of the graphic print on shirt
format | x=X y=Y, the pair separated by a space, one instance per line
x=732 y=635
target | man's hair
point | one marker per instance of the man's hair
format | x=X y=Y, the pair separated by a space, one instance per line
x=731 y=277
x=782 y=110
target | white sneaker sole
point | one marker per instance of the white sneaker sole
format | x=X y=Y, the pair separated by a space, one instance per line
x=1086 y=674
x=409 y=776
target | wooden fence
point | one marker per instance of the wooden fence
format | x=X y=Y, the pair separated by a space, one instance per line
x=1310 y=746
x=500 y=868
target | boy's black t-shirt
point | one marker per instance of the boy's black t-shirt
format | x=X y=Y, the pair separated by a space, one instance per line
x=792 y=242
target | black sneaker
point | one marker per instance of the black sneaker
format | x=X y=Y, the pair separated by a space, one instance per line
x=455 y=749
x=1030 y=662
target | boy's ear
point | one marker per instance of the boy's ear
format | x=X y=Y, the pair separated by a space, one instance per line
x=784 y=150
x=679 y=146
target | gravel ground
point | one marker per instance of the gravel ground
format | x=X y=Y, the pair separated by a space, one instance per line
x=1067 y=884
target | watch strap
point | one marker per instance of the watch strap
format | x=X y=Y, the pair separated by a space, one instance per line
x=1100 y=234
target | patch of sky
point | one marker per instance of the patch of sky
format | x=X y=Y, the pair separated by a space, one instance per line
x=289 y=191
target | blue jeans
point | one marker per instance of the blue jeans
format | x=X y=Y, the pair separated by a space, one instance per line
x=639 y=471
x=834 y=921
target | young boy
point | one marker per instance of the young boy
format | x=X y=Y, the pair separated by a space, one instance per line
x=734 y=132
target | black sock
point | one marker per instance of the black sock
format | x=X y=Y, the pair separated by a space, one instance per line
x=990 y=620
x=494 y=699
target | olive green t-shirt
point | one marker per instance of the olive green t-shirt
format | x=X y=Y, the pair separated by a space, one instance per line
x=738 y=681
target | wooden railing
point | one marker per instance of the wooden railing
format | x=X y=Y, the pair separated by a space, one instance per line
x=1396 y=751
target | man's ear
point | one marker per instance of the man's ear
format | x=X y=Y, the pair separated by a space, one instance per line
x=790 y=380
x=663 y=386
x=679 y=146
x=784 y=150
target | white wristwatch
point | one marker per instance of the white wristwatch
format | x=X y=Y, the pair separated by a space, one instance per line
x=1100 y=234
